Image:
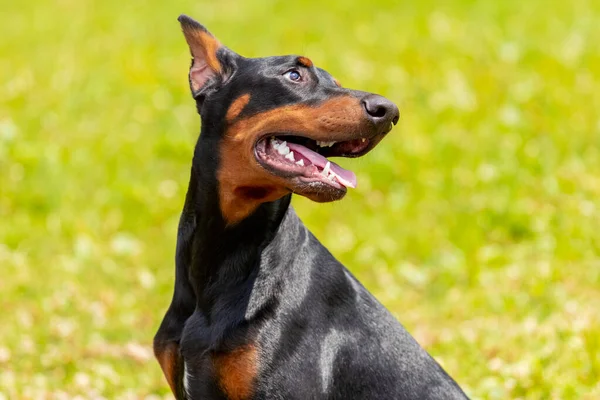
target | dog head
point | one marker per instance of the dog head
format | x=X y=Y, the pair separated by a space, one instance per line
x=273 y=123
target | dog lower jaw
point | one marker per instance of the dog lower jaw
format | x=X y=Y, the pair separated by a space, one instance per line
x=297 y=163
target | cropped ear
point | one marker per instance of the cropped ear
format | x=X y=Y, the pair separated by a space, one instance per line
x=206 y=64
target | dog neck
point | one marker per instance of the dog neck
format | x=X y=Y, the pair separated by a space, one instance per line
x=224 y=260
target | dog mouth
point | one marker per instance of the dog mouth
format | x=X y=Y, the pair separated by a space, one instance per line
x=305 y=160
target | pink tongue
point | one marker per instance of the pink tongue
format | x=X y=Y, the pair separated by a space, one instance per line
x=345 y=177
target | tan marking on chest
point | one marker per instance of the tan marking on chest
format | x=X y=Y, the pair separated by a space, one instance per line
x=236 y=371
x=168 y=357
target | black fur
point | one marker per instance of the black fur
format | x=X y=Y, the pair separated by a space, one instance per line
x=320 y=333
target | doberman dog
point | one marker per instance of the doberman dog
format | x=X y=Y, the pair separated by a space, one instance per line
x=261 y=309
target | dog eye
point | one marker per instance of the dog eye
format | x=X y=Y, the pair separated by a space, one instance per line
x=293 y=75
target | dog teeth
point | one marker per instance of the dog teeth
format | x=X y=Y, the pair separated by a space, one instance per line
x=290 y=156
x=325 y=144
x=327 y=169
x=283 y=149
x=300 y=163
x=364 y=140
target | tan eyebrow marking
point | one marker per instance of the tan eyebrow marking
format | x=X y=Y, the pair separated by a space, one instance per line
x=306 y=62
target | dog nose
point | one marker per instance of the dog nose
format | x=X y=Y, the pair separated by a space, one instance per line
x=380 y=110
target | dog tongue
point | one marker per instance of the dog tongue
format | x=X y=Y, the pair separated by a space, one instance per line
x=345 y=177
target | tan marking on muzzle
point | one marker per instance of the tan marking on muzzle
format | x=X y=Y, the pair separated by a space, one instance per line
x=335 y=116
x=243 y=183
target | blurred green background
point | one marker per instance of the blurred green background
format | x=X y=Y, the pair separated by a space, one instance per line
x=477 y=221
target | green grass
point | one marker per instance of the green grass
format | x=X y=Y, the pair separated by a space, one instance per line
x=477 y=222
